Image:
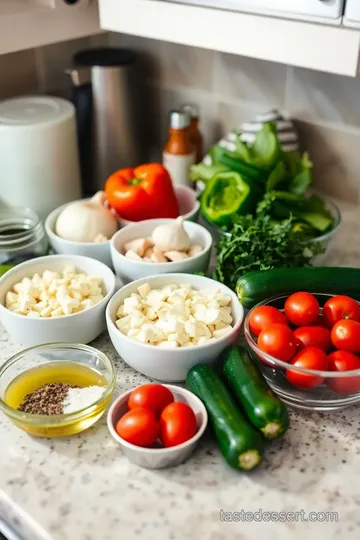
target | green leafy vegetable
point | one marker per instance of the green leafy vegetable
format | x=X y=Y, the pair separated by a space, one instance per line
x=266 y=147
x=204 y=173
x=259 y=243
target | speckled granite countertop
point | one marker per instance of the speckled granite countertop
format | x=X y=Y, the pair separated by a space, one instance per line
x=84 y=489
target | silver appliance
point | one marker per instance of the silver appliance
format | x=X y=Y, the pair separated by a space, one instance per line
x=106 y=96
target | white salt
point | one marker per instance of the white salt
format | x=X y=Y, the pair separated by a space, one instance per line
x=80 y=398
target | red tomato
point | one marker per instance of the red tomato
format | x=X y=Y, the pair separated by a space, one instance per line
x=278 y=341
x=153 y=396
x=302 y=309
x=261 y=317
x=345 y=335
x=314 y=336
x=139 y=426
x=344 y=361
x=341 y=307
x=307 y=358
x=320 y=321
x=177 y=424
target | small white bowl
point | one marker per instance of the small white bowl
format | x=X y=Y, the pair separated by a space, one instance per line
x=96 y=250
x=129 y=270
x=159 y=458
x=170 y=365
x=81 y=327
x=189 y=206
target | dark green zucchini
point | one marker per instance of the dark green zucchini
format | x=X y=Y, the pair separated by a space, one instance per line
x=260 y=285
x=240 y=444
x=264 y=410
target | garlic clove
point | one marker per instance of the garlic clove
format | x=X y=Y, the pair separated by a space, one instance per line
x=138 y=246
x=157 y=256
x=148 y=253
x=194 y=250
x=171 y=236
x=133 y=256
x=176 y=256
x=100 y=238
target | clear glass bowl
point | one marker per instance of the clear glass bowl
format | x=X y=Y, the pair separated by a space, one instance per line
x=320 y=398
x=61 y=425
x=324 y=240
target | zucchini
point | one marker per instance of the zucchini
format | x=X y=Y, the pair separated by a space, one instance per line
x=240 y=444
x=254 y=287
x=264 y=410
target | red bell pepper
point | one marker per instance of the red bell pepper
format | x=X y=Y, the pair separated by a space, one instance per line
x=145 y=192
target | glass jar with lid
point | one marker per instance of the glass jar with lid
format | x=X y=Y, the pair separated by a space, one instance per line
x=22 y=237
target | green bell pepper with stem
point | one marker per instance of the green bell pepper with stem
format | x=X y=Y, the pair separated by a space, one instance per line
x=226 y=194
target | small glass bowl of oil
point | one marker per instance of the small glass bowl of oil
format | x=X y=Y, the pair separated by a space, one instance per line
x=75 y=365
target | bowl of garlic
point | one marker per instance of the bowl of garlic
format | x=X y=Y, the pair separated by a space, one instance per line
x=82 y=227
x=160 y=246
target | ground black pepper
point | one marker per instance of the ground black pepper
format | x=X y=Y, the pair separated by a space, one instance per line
x=48 y=399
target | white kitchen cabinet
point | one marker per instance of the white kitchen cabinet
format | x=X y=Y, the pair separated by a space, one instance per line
x=323 y=47
x=32 y=23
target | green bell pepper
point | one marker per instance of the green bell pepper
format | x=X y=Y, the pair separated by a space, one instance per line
x=226 y=194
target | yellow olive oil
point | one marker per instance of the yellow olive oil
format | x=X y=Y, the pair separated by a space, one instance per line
x=70 y=373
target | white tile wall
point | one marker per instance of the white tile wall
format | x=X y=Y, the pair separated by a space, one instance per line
x=229 y=90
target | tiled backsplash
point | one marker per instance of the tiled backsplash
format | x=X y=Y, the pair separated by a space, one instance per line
x=229 y=90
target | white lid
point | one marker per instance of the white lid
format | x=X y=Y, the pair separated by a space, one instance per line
x=34 y=111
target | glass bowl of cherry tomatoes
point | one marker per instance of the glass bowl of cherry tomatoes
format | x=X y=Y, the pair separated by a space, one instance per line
x=308 y=348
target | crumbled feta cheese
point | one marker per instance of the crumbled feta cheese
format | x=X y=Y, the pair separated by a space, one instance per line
x=175 y=316
x=54 y=295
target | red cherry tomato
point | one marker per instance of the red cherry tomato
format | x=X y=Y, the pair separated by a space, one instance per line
x=139 y=426
x=177 y=424
x=153 y=396
x=341 y=307
x=344 y=361
x=302 y=309
x=278 y=341
x=320 y=321
x=307 y=358
x=263 y=316
x=345 y=335
x=314 y=336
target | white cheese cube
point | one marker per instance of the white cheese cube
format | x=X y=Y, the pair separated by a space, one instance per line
x=131 y=304
x=224 y=300
x=123 y=323
x=120 y=311
x=49 y=276
x=133 y=332
x=46 y=312
x=57 y=312
x=150 y=334
x=87 y=303
x=179 y=337
x=40 y=306
x=26 y=302
x=11 y=298
x=96 y=299
x=155 y=298
x=14 y=307
x=150 y=313
x=144 y=290
x=61 y=292
x=175 y=298
x=225 y=316
x=33 y=314
x=18 y=287
x=223 y=332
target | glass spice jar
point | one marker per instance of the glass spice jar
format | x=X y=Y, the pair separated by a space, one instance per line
x=22 y=237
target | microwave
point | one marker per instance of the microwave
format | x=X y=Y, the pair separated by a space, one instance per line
x=328 y=11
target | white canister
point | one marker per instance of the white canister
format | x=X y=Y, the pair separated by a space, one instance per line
x=39 y=162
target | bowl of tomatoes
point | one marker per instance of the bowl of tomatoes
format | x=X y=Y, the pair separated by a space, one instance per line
x=157 y=425
x=308 y=348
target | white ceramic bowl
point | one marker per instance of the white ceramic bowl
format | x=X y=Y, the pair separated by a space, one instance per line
x=96 y=250
x=129 y=270
x=80 y=327
x=170 y=365
x=159 y=458
x=189 y=206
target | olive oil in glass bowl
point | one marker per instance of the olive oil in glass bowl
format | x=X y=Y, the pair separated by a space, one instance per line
x=56 y=363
